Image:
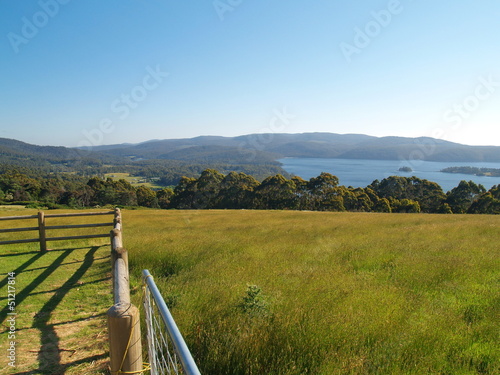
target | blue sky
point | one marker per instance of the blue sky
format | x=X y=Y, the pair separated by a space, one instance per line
x=104 y=72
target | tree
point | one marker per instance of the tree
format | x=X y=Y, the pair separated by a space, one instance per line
x=184 y=194
x=164 y=197
x=275 y=193
x=445 y=209
x=146 y=197
x=125 y=193
x=404 y=206
x=53 y=189
x=237 y=191
x=488 y=202
x=393 y=186
x=302 y=193
x=323 y=184
x=81 y=197
x=357 y=200
x=20 y=186
x=461 y=197
x=382 y=205
x=324 y=195
x=207 y=189
x=201 y=193
x=379 y=204
x=105 y=195
x=95 y=183
x=429 y=195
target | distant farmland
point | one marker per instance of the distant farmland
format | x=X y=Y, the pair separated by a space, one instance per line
x=135 y=181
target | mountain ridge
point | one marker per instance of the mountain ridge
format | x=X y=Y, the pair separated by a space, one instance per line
x=264 y=148
x=317 y=145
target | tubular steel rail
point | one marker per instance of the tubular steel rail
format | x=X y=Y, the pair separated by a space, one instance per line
x=168 y=352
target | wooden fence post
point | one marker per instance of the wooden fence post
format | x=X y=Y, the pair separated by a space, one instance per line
x=124 y=329
x=117 y=252
x=41 y=231
x=117 y=222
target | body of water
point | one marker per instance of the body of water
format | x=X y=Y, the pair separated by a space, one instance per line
x=360 y=173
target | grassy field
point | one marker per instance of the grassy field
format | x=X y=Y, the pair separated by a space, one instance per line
x=61 y=300
x=341 y=293
x=134 y=181
x=281 y=292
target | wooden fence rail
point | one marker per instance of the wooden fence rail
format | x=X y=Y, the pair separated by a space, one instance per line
x=124 y=329
x=42 y=227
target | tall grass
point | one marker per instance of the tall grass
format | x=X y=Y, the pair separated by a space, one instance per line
x=345 y=293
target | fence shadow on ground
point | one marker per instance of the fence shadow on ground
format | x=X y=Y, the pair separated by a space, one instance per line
x=63 y=368
x=36 y=255
x=15 y=254
x=49 y=353
x=23 y=294
x=49 y=357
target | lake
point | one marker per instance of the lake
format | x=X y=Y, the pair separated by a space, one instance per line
x=360 y=173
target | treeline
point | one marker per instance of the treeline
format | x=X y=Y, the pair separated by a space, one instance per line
x=155 y=161
x=170 y=172
x=494 y=172
x=167 y=171
x=214 y=190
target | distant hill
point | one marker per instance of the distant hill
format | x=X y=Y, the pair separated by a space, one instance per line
x=258 y=148
x=257 y=153
x=12 y=147
x=49 y=158
x=169 y=160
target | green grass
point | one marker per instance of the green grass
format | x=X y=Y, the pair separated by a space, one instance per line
x=345 y=293
x=340 y=293
x=61 y=300
x=135 y=181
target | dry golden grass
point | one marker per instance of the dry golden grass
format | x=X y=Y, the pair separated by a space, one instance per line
x=348 y=293
x=341 y=293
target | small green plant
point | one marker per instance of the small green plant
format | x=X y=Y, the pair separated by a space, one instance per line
x=254 y=302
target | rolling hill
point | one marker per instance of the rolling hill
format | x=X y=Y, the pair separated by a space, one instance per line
x=269 y=147
x=253 y=153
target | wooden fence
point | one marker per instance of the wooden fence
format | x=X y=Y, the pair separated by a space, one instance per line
x=123 y=317
x=42 y=227
x=124 y=328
